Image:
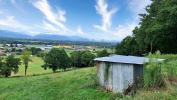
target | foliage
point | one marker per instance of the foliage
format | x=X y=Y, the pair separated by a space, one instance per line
x=26 y=59
x=157 y=29
x=76 y=58
x=35 y=51
x=153 y=75
x=11 y=64
x=128 y=46
x=82 y=58
x=102 y=53
x=56 y=59
x=87 y=59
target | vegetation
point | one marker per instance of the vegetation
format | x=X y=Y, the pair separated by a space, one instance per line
x=157 y=30
x=153 y=74
x=102 y=53
x=127 y=47
x=35 y=51
x=56 y=59
x=82 y=58
x=11 y=64
x=26 y=59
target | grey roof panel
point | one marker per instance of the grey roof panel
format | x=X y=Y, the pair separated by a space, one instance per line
x=125 y=59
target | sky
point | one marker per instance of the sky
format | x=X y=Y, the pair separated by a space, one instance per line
x=109 y=20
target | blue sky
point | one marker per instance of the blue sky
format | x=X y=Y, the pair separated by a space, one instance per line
x=110 y=20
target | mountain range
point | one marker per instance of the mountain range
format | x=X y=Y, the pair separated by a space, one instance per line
x=18 y=35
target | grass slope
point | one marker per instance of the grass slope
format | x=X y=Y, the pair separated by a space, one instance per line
x=34 y=67
x=70 y=85
x=58 y=86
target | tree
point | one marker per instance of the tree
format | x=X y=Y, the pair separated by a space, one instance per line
x=26 y=59
x=56 y=59
x=128 y=46
x=158 y=26
x=76 y=58
x=87 y=59
x=10 y=65
x=102 y=53
x=35 y=51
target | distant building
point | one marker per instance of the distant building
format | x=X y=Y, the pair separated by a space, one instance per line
x=116 y=73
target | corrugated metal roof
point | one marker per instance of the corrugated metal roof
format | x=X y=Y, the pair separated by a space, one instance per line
x=125 y=59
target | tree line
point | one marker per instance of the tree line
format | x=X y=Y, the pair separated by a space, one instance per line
x=157 y=30
x=54 y=59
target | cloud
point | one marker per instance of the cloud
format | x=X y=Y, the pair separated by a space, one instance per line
x=10 y=21
x=56 y=18
x=80 y=31
x=124 y=30
x=106 y=14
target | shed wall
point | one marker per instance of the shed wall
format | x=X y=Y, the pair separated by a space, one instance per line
x=138 y=71
x=100 y=73
x=120 y=76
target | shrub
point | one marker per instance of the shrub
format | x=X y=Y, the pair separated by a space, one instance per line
x=153 y=76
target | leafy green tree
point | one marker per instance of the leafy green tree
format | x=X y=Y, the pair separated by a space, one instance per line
x=10 y=65
x=158 y=26
x=128 y=46
x=102 y=53
x=26 y=58
x=76 y=58
x=35 y=51
x=87 y=59
x=56 y=59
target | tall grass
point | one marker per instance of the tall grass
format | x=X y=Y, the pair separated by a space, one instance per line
x=153 y=75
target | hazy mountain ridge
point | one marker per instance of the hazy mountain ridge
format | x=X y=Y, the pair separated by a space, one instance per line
x=10 y=34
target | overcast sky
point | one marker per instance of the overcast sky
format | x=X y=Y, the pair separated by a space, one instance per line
x=95 y=19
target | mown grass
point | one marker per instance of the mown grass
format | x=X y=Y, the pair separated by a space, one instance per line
x=70 y=85
x=34 y=67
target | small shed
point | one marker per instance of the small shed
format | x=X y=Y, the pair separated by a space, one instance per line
x=117 y=72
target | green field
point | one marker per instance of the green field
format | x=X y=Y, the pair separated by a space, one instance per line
x=34 y=68
x=77 y=84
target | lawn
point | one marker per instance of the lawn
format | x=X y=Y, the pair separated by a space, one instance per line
x=77 y=84
x=34 y=67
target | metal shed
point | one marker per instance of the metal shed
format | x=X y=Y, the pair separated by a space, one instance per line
x=117 y=72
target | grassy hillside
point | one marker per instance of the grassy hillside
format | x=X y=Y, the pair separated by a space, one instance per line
x=34 y=68
x=64 y=86
x=76 y=84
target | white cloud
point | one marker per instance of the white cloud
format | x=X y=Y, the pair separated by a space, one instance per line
x=124 y=30
x=106 y=14
x=80 y=31
x=56 y=18
x=10 y=21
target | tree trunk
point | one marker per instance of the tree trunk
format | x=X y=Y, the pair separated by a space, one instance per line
x=151 y=46
x=26 y=66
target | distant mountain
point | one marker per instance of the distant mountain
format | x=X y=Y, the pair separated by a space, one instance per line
x=10 y=34
x=59 y=37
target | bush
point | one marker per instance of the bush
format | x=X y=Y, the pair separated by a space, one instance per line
x=153 y=75
x=82 y=58
x=102 y=53
x=9 y=65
